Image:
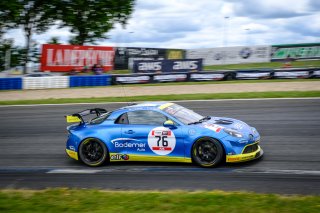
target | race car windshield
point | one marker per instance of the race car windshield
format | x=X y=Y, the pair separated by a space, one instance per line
x=184 y=115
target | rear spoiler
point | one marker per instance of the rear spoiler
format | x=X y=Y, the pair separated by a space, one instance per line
x=78 y=117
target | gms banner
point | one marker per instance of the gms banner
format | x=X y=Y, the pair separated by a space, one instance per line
x=231 y=55
x=63 y=58
x=166 y=66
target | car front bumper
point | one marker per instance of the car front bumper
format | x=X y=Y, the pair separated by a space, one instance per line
x=245 y=157
x=72 y=154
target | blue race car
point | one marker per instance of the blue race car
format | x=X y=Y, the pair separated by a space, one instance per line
x=159 y=132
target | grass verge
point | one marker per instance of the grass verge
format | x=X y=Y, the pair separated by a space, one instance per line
x=202 y=96
x=84 y=200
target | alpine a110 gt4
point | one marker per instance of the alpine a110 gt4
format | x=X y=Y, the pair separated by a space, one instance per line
x=159 y=132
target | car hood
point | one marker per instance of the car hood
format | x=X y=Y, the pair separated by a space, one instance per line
x=219 y=123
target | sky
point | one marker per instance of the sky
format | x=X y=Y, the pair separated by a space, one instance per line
x=190 y=24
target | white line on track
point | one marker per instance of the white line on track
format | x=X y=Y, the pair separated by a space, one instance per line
x=214 y=100
x=267 y=171
x=73 y=171
x=277 y=171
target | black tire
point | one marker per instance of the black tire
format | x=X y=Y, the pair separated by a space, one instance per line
x=207 y=152
x=93 y=152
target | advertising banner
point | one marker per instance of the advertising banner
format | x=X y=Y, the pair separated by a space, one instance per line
x=231 y=55
x=125 y=56
x=291 y=74
x=207 y=76
x=131 y=79
x=316 y=74
x=158 y=66
x=63 y=58
x=295 y=52
x=174 y=77
x=255 y=74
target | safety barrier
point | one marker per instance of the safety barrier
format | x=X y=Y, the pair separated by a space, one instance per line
x=106 y=80
x=10 y=83
x=45 y=82
x=90 y=81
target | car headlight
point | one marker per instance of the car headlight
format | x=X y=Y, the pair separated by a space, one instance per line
x=254 y=131
x=233 y=133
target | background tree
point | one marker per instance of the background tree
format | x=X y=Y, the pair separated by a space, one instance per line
x=54 y=40
x=33 y=16
x=91 y=19
x=17 y=54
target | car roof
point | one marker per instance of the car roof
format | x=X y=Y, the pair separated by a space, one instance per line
x=147 y=105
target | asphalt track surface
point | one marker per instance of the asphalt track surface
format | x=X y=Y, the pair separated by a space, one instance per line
x=32 y=152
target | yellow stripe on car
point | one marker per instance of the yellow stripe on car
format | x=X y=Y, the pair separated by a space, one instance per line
x=163 y=106
x=151 y=158
x=72 y=154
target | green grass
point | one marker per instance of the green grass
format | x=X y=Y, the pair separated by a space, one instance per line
x=84 y=200
x=266 y=65
x=204 y=96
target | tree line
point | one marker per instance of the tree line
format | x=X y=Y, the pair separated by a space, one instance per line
x=87 y=20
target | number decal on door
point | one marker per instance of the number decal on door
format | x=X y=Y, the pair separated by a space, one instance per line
x=161 y=140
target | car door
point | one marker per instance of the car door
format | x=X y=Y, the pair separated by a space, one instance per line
x=146 y=135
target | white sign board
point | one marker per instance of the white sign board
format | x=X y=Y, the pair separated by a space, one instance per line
x=231 y=55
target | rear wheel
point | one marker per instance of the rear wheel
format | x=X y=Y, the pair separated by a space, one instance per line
x=207 y=152
x=93 y=152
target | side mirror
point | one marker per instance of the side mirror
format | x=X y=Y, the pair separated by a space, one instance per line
x=169 y=124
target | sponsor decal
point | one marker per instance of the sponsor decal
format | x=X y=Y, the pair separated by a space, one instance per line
x=240 y=158
x=231 y=55
x=253 y=75
x=206 y=77
x=131 y=60
x=291 y=74
x=218 y=56
x=161 y=140
x=316 y=73
x=213 y=127
x=185 y=65
x=163 y=78
x=119 y=157
x=142 y=51
x=245 y=53
x=175 y=54
x=133 y=79
x=295 y=52
x=129 y=143
x=238 y=126
x=144 y=66
x=72 y=148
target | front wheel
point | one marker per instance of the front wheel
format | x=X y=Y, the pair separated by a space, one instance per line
x=207 y=152
x=93 y=152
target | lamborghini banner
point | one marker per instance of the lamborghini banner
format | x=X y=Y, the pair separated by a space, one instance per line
x=62 y=58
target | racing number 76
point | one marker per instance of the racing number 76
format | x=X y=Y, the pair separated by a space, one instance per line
x=163 y=140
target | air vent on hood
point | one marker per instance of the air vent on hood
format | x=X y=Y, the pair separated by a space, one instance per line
x=222 y=121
